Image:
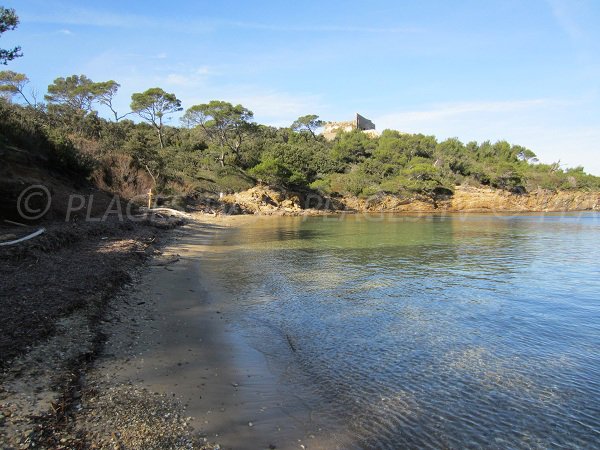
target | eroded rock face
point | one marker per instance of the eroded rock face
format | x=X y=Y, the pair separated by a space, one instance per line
x=468 y=199
x=478 y=199
x=266 y=200
x=269 y=201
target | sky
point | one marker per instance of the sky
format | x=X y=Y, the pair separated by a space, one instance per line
x=524 y=71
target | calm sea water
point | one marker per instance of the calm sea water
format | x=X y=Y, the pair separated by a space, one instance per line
x=428 y=332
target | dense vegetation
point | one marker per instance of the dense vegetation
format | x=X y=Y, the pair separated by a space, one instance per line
x=8 y=21
x=219 y=148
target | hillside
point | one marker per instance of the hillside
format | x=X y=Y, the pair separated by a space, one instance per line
x=219 y=150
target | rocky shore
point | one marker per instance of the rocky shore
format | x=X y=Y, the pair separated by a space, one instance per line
x=487 y=200
x=264 y=200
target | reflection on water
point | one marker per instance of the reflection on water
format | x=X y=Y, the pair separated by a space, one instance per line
x=429 y=331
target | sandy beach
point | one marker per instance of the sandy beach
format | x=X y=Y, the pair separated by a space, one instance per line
x=177 y=335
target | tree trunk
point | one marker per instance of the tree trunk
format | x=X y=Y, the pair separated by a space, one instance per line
x=151 y=175
x=159 y=129
x=160 y=138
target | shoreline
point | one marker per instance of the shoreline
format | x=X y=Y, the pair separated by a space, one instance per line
x=42 y=387
x=166 y=328
x=188 y=346
x=265 y=200
x=125 y=373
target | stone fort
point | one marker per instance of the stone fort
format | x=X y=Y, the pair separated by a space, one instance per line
x=331 y=129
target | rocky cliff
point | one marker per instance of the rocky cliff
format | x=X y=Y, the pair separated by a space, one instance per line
x=269 y=201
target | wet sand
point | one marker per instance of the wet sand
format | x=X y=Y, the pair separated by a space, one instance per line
x=193 y=349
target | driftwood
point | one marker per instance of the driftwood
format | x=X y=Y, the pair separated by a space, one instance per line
x=166 y=211
x=165 y=261
x=290 y=342
x=15 y=223
x=24 y=238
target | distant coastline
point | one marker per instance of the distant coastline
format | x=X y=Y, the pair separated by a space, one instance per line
x=264 y=200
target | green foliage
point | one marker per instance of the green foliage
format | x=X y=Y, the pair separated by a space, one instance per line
x=152 y=105
x=221 y=149
x=26 y=128
x=576 y=178
x=350 y=148
x=419 y=176
x=104 y=92
x=71 y=101
x=65 y=156
x=271 y=171
x=225 y=125
x=8 y=21
x=146 y=155
x=113 y=135
x=13 y=83
x=309 y=123
x=23 y=127
x=354 y=182
x=306 y=159
x=75 y=92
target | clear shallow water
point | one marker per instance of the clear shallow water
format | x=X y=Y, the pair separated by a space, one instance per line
x=429 y=332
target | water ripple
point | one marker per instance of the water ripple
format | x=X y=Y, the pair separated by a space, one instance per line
x=447 y=333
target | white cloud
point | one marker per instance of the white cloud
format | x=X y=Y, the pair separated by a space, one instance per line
x=270 y=107
x=99 y=18
x=204 y=70
x=190 y=78
x=320 y=28
x=562 y=12
x=178 y=79
x=81 y=16
x=279 y=108
x=449 y=111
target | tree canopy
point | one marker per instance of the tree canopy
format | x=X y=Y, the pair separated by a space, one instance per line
x=8 y=21
x=220 y=148
x=105 y=92
x=152 y=105
x=310 y=123
x=225 y=125
x=13 y=83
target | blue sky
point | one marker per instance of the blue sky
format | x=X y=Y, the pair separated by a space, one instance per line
x=524 y=71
